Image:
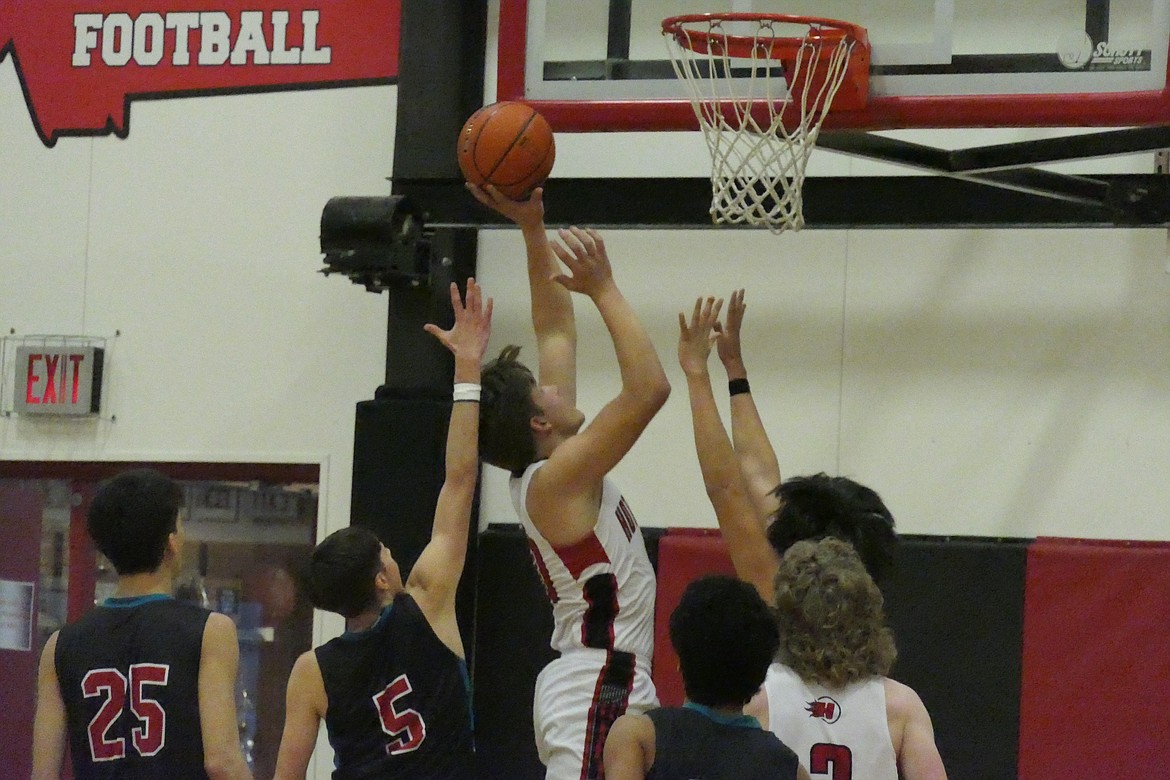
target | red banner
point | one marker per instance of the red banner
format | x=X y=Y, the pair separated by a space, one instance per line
x=82 y=62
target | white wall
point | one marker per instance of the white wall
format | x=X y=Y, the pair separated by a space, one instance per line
x=999 y=383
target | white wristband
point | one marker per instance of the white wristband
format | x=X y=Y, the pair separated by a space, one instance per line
x=465 y=391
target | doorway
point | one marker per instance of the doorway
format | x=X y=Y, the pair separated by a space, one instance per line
x=250 y=531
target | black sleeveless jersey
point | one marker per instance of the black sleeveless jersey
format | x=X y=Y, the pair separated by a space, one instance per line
x=398 y=701
x=691 y=745
x=129 y=677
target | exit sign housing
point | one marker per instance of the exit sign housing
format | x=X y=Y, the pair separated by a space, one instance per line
x=58 y=380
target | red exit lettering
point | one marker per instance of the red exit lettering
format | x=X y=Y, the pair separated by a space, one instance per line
x=62 y=378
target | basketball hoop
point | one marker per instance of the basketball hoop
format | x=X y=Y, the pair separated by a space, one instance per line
x=760 y=98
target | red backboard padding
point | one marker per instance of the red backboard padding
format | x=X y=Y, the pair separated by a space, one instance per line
x=684 y=554
x=1095 y=694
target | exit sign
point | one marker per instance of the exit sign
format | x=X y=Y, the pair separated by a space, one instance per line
x=58 y=380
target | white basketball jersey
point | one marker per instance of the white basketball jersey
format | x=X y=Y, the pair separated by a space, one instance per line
x=840 y=733
x=601 y=588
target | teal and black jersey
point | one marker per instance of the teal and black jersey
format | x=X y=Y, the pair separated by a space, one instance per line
x=398 y=701
x=692 y=742
x=129 y=677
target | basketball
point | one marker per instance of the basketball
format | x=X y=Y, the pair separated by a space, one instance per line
x=508 y=145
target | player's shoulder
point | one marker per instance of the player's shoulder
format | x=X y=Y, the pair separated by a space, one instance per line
x=762 y=748
x=306 y=665
x=50 y=649
x=217 y=621
x=172 y=611
x=633 y=725
x=781 y=755
x=901 y=699
x=219 y=630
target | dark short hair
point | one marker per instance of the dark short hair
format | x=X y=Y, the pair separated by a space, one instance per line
x=131 y=518
x=819 y=506
x=725 y=638
x=342 y=570
x=506 y=410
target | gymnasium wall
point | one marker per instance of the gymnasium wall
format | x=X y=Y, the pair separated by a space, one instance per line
x=196 y=238
x=993 y=383
x=988 y=383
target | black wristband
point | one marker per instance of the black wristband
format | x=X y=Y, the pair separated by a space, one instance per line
x=737 y=386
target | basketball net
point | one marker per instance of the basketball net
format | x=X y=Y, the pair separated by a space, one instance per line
x=760 y=99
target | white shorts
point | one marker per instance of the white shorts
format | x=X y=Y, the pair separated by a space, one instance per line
x=578 y=697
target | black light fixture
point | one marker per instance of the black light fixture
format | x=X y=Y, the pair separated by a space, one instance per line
x=379 y=242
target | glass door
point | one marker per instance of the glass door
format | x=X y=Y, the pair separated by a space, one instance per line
x=250 y=531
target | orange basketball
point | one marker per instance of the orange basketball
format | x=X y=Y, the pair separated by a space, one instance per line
x=509 y=145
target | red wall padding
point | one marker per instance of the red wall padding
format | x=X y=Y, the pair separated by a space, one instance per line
x=1095 y=695
x=683 y=555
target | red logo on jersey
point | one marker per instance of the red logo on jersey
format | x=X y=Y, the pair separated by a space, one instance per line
x=81 y=62
x=824 y=708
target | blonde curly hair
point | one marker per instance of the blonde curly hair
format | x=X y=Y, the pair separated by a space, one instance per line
x=830 y=614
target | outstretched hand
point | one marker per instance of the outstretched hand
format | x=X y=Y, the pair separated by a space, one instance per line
x=583 y=253
x=525 y=213
x=695 y=339
x=730 y=354
x=468 y=337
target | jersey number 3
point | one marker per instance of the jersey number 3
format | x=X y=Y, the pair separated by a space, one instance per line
x=113 y=687
x=405 y=725
x=824 y=753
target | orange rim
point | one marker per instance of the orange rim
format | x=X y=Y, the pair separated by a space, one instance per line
x=826 y=31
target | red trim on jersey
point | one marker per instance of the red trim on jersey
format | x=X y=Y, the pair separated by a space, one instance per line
x=580 y=556
x=588 y=769
x=611 y=696
x=542 y=570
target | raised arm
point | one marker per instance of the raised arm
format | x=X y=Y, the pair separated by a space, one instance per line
x=575 y=469
x=752 y=556
x=49 y=723
x=757 y=458
x=218 y=661
x=552 y=305
x=435 y=576
x=305 y=705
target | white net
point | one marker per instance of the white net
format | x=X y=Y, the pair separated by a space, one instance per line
x=760 y=97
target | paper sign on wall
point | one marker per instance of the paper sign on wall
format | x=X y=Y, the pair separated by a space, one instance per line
x=16 y=615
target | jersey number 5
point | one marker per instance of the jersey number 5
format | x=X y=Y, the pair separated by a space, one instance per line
x=112 y=686
x=824 y=753
x=406 y=725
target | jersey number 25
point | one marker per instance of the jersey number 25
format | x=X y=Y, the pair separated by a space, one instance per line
x=112 y=686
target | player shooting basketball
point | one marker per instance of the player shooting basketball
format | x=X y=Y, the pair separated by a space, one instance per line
x=585 y=542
